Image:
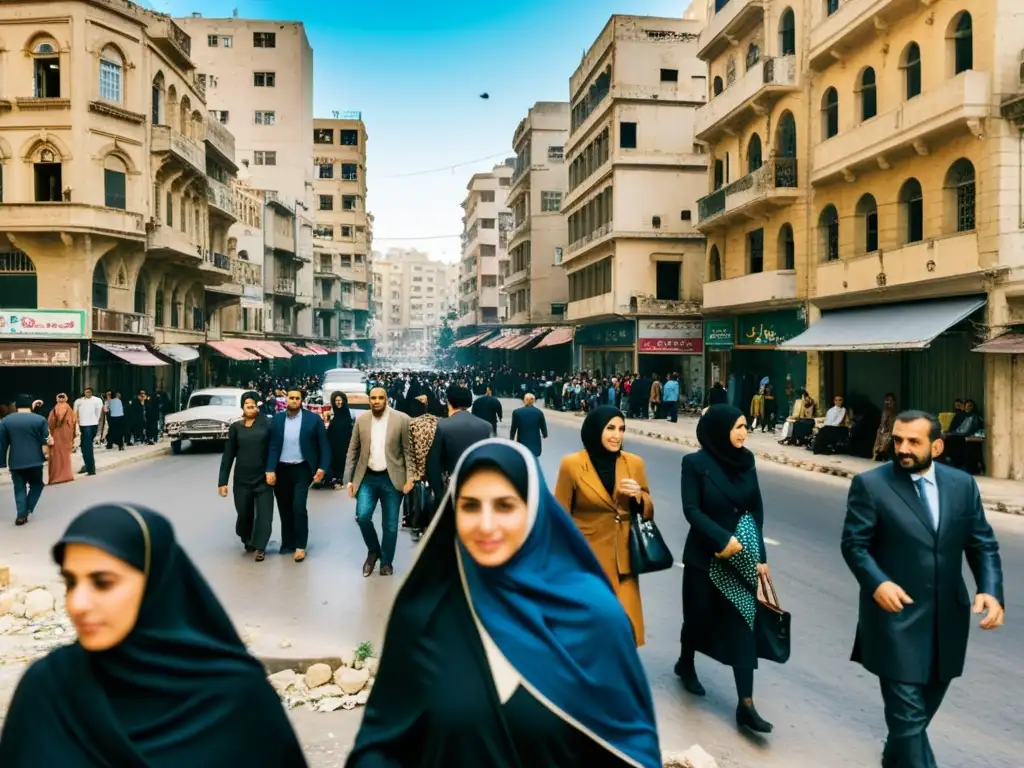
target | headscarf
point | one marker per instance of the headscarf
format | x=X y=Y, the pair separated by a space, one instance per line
x=601 y=458
x=550 y=610
x=61 y=410
x=342 y=413
x=713 y=435
x=181 y=689
x=415 y=408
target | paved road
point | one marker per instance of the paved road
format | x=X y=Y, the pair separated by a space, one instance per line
x=826 y=710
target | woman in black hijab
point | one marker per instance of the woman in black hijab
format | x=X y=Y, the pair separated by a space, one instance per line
x=724 y=555
x=339 y=435
x=158 y=677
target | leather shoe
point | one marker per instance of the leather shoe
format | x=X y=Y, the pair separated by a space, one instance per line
x=371 y=561
x=387 y=570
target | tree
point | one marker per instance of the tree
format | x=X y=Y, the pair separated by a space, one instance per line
x=445 y=354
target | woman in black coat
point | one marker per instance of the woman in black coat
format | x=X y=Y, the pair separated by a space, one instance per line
x=724 y=555
x=339 y=435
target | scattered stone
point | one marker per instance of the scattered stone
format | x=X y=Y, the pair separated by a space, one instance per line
x=351 y=681
x=330 y=705
x=694 y=757
x=283 y=680
x=7 y=602
x=18 y=610
x=362 y=697
x=348 y=658
x=349 y=702
x=317 y=675
x=371 y=665
x=326 y=692
x=37 y=603
x=286 y=644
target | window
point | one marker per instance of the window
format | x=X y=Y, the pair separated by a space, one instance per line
x=753 y=56
x=349 y=137
x=264 y=79
x=556 y=153
x=325 y=171
x=212 y=40
x=349 y=172
x=714 y=265
x=912 y=211
x=348 y=202
x=867 y=224
x=265 y=117
x=960 y=191
x=755 y=251
x=261 y=157
x=912 y=70
x=754 y=159
x=550 y=201
x=787 y=33
x=963 y=44
x=46 y=70
x=719 y=174
x=627 y=135
x=264 y=40
x=115 y=175
x=670 y=75
x=487 y=196
x=831 y=6
x=99 y=286
x=829 y=114
x=686 y=215
x=227 y=41
x=717 y=85
x=323 y=135
x=325 y=202
x=828 y=232
x=558 y=256
x=346 y=230
x=170 y=209
x=323 y=232
x=787 y=248
x=868 y=95
x=47 y=172
x=220 y=115
x=111 y=70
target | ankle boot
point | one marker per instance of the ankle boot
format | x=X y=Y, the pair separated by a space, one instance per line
x=747 y=717
x=687 y=672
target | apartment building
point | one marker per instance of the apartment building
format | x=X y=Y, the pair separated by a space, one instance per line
x=258 y=76
x=412 y=293
x=635 y=258
x=537 y=287
x=341 y=233
x=487 y=223
x=864 y=224
x=117 y=195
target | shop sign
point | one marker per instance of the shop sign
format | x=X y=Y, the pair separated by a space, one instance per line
x=41 y=355
x=671 y=337
x=252 y=296
x=719 y=334
x=32 y=323
x=770 y=329
x=619 y=334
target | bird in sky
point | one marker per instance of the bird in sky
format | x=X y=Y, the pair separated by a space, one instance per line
x=485 y=95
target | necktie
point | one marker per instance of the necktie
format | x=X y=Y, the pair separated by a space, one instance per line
x=921 y=484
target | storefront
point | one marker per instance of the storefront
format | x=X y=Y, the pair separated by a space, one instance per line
x=607 y=348
x=41 y=353
x=672 y=346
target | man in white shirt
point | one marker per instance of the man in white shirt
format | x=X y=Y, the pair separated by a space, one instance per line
x=835 y=432
x=89 y=410
x=375 y=470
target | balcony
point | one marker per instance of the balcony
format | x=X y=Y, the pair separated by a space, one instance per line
x=855 y=22
x=728 y=25
x=328 y=304
x=246 y=273
x=598 y=306
x=71 y=217
x=326 y=271
x=222 y=142
x=284 y=286
x=522 y=276
x=165 y=141
x=592 y=239
x=174 y=242
x=774 y=185
x=283 y=243
x=172 y=40
x=941 y=259
x=763 y=289
x=645 y=304
x=219 y=264
x=959 y=105
x=753 y=93
x=221 y=199
x=109 y=321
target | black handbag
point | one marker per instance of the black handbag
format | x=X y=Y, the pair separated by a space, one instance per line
x=772 y=624
x=421 y=505
x=648 y=552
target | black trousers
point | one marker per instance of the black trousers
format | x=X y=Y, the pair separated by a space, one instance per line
x=255 y=507
x=292 y=491
x=115 y=431
x=909 y=709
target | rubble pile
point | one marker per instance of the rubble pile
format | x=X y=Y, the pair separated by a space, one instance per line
x=326 y=689
x=32 y=622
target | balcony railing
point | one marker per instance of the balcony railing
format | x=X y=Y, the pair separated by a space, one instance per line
x=729 y=23
x=284 y=285
x=219 y=260
x=246 y=273
x=756 y=187
x=71 y=217
x=166 y=140
x=127 y=323
x=761 y=288
x=221 y=197
x=586 y=240
x=172 y=39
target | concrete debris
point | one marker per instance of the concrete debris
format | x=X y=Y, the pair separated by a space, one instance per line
x=351 y=681
x=694 y=757
x=325 y=684
x=286 y=644
x=37 y=603
x=371 y=665
x=283 y=680
x=318 y=675
x=330 y=705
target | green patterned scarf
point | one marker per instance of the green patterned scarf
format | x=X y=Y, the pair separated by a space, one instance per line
x=736 y=578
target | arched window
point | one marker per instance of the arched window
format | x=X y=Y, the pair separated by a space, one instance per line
x=115 y=183
x=867 y=224
x=785 y=152
x=111 y=74
x=787 y=248
x=961 y=35
x=47 y=172
x=185 y=116
x=99 y=286
x=171 y=106
x=158 y=306
x=911 y=64
x=175 y=311
x=961 y=195
x=828 y=233
x=717 y=85
x=197 y=126
x=831 y=6
x=787 y=33
x=754 y=160
x=829 y=114
x=159 y=109
x=912 y=211
x=730 y=71
x=141 y=289
x=46 y=70
x=868 y=93
x=714 y=265
x=753 y=55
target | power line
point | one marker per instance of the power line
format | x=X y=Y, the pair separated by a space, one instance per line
x=447 y=167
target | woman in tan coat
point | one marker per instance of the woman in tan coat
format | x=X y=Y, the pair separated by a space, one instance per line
x=602 y=486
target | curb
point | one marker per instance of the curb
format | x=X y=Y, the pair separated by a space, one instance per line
x=5 y=479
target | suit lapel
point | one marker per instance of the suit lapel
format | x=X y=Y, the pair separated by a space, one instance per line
x=590 y=477
x=942 y=482
x=904 y=488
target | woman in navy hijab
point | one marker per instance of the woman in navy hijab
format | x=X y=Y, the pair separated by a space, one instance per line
x=506 y=646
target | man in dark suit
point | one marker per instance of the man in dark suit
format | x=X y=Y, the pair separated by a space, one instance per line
x=453 y=437
x=908 y=526
x=529 y=426
x=23 y=435
x=488 y=408
x=298 y=456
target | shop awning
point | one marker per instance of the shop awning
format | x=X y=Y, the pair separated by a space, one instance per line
x=266 y=348
x=316 y=349
x=133 y=354
x=525 y=339
x=296 y=349
x=471 y=341
x=885 y=327
x=232 y=349
x=178 y=352
x=556 y=337
x=1007 y=344
x=502 y=341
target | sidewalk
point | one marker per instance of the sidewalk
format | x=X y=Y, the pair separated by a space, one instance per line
x=998 y=495
x=109 y=459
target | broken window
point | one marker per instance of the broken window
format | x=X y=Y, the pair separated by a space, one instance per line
x=323 y=135
x=264 y=40
x=349 y=137
x=349 y=172
x=48 y=178
x=47 y=71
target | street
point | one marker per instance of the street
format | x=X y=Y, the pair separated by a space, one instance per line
x=826 y=710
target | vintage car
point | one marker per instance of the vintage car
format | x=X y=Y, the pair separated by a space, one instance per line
x=206 y=419
x=351 y=381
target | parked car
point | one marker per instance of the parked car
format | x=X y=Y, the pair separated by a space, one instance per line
x=351 y=381
x=207 y=417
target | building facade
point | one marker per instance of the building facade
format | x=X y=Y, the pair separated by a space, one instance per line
x=413 y=300
x=635 y=257
x=537 y=287
x=487 y=223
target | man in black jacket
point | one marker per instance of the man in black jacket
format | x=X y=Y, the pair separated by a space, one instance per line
x=529 y=426
x=908 y=526
x=22 y=437
x=454 y=436
x=488 y=408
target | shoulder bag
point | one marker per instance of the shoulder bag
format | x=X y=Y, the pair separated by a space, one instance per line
x=648 y=552
x=772 y=624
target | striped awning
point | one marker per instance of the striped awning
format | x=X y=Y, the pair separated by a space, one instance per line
x=556 y=337
x=316 y=349
x=525 y=339
x=133 y=354
x=471 y=341
x=232 y=349
x=1007 y=344
x=266 y=348
x=180 y=353
x=298 y=350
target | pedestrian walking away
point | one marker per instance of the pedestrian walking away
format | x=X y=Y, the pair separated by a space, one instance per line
x=908 y=526
x=488 y=408
x=454 y=436
x=23 y=445
x=61 y=423
x=246 y=450
x=299 y=455
x=376 y=471
x=529 y=426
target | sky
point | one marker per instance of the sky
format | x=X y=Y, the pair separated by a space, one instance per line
x=416 y=71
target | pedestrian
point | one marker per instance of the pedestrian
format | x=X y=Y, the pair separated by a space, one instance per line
x=488 y=408
x=157 y=675
x=723 y=557
x=670 y=398
x=602 y=487
x=529 y=426
x=246 y=449
x=89 y=410
x=376 y=470
x=137 y=418
x=657 y=389
x=453 y=438
x=506 y=645
x=61 y=424
x=909 y=524
x=115 y=418
x=422 y=428
x=23 y=445
x=299 y=455
x=339 y=434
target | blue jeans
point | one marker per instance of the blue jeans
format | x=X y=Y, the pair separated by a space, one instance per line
x=28 y=487
x=374 y=488
x=88 y=457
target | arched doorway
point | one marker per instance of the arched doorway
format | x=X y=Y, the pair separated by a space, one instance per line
x=18 y=283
